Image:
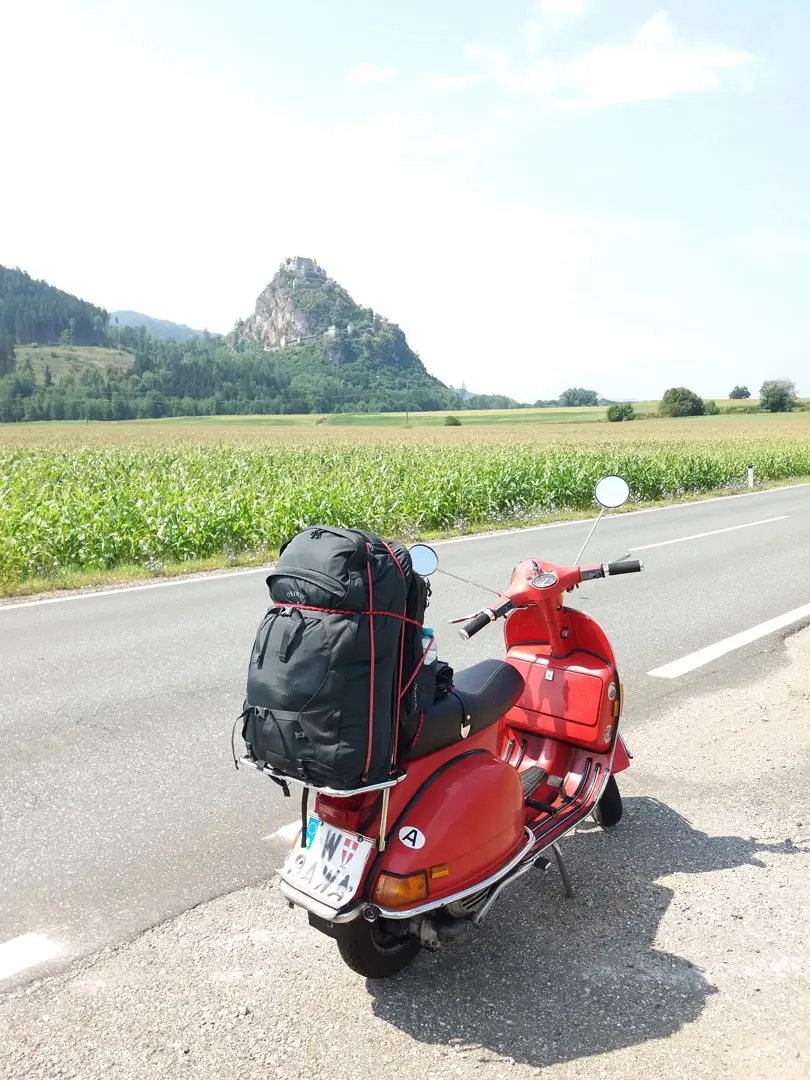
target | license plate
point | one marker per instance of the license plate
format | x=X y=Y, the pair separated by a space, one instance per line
x=330 y=868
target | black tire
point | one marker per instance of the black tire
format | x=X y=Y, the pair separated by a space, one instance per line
x=371 y=951
x=608 y=811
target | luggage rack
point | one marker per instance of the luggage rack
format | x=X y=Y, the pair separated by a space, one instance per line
x=346 y=793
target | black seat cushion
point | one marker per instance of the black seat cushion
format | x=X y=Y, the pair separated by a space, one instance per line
x=480 y=696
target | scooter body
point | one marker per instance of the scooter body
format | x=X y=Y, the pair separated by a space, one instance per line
x=459 y=824
x=417 y=860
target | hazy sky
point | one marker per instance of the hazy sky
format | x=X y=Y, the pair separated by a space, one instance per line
x=542 y=193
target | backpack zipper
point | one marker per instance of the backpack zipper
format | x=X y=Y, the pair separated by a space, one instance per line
x=313 y=577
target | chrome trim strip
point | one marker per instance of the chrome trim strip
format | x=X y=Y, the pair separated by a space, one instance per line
x=577 y=815
x=432 y=905
x=346 y=793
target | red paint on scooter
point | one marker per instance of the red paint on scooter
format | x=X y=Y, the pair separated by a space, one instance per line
x=467 y=800
x=472 y=819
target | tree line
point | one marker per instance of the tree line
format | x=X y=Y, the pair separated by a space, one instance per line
x=32 y=311
x=775 y=395
x=209 y=375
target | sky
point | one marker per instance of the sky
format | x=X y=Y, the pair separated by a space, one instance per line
x=542 y=193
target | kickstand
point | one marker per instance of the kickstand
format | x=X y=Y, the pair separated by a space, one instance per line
x=566 y=880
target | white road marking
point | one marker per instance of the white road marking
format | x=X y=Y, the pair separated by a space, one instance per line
x=196 y=579
x=286 y=832
x=729 y=644
x=26 y=951
x=712 y=532
x=192 y=579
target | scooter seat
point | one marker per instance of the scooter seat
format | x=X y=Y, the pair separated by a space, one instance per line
x=480 y=696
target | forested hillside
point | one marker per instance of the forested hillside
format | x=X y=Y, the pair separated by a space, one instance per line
x=307 y=348
x=32 y=310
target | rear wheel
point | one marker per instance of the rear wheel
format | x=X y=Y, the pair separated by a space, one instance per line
x=372 y=951
x=608 y=811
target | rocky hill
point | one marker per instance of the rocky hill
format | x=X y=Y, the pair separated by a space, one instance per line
x=311 y=324
x=307 y=348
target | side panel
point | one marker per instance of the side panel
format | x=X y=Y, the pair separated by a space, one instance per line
x=575 y=699
x=362 y=814
x=471 y=819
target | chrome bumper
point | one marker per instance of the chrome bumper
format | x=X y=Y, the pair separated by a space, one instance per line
x=339 y=917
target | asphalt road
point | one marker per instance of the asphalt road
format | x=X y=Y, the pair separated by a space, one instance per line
x=118 y=803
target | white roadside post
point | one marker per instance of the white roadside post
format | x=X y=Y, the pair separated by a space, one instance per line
x=750 y=476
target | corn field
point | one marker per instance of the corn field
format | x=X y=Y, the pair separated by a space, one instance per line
x=100 y=508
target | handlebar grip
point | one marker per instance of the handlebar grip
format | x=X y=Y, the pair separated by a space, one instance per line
x=476 y=623
x=629 y=566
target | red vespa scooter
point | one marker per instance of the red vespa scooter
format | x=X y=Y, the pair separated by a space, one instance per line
x=514 y=757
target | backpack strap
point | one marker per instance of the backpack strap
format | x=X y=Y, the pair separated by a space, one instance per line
x=398 y=564
x=304 y=800
x=260 y=646
x=288 y=633
x=241 y=716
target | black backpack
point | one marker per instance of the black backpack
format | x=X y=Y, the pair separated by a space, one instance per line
x=336 y=659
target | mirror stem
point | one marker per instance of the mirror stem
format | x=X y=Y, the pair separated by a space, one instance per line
x=588 y=537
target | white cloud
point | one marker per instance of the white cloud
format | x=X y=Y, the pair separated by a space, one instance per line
x=656 y=63
x=494 y=68
x=533 y=35
x=371 y=75
x=776 y=242
x=503 y=116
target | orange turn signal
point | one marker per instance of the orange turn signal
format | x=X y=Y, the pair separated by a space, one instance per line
x=393 y=891
x=440 y=871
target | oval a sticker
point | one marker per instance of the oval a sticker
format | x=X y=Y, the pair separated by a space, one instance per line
x=411 y=837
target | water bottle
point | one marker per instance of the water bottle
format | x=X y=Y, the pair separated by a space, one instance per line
x=429 y=644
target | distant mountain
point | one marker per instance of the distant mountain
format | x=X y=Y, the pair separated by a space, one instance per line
x=333 y=354
x=487 y=401
x=161 y=329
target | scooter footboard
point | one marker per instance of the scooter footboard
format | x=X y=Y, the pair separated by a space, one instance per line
x=562 y=783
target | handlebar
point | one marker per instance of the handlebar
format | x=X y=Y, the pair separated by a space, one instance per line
x=476 y=623
x=629 y=566
x=587 y=573
x=626 y=566
x=484 y=618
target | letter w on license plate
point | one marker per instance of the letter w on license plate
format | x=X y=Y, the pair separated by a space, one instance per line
x=330 y=868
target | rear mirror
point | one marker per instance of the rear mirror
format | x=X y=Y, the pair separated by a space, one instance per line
x=612 y=492
x=424 y=560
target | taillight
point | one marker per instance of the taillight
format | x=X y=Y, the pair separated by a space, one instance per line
x=352 y=814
